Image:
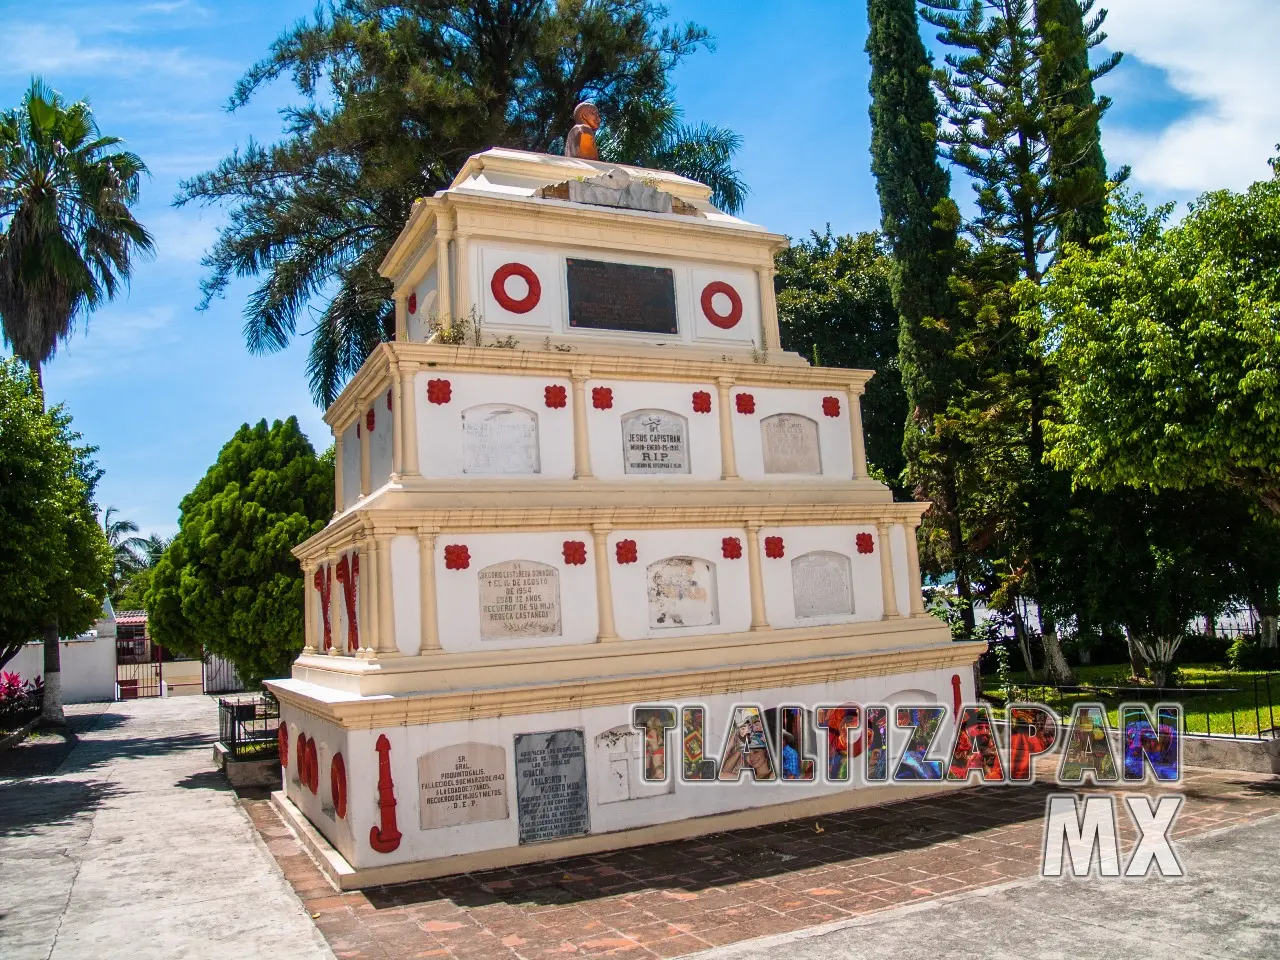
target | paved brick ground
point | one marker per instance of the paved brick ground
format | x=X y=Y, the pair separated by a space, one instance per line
x=668 y=900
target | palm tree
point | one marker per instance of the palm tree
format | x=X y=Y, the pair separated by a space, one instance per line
x=129 y=553
x=68 y=242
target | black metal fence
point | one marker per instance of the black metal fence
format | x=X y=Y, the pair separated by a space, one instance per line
x=247 y=726
x=1246 y=707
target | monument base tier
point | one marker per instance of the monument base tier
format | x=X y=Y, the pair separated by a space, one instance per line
x=396 y=787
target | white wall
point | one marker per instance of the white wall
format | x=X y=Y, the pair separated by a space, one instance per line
x=350 y=465
x=679 y=801
x=419 y=320
x=864 y=569
x=833 y=432
x=381 y=438
x=604 y=427
x=88 y=667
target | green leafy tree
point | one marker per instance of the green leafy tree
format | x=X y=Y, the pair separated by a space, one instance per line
x=835 y=305
x=68 y=242
x=228 y=582
x=920 y=221
x=1166 y=344
x=54 y=558
x=395 y=97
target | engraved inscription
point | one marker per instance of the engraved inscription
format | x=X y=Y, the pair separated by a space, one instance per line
x=621 y=296
x=519 y=598
x=790 y=444
x=655 y=442
x=821 y=585
x=499 y=439
x=551 y=785
x=462 y=783
x=682 y=593
x=619 y=765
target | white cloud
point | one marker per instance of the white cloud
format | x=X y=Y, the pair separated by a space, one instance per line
x=59 y=50
x=182 y=237
x=1220 y=55
x=107 y=342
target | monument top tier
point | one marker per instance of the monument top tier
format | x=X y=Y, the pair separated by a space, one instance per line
x=539 y=252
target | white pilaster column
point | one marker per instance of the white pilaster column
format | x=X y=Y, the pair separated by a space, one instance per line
x=855 y=433
x=887 y=592
x=728 y=456
x=310 y=641
x=581 y=444
x=444 y=280
x=337 y=604
x=368 y=596
x=430 y=643
x=337 y=475
x=407 y=405
x=385 y=640
x=402 y=319
x=911 y=528
x=462 y=279
x=759 y=615
x=768 y=310
x=604 y=587
x=366 y=477
x=397 y=434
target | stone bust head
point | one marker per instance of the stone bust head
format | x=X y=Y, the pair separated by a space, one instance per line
x=581 y=139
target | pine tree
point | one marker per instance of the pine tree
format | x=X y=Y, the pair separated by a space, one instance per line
x=920 y=222
x=1077 y=167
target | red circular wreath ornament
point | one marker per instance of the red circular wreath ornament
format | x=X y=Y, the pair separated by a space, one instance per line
x=498 y=285
x=313 y=767
x=338 y=785
x=413 y=303
x=302 y=758
x=725 y=321
x=282 y=737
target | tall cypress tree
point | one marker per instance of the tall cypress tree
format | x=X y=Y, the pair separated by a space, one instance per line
x=920 y=222
x=1077 y=167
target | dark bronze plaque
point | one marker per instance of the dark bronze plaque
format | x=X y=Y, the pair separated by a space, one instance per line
x=551 y=785
x=621 y=296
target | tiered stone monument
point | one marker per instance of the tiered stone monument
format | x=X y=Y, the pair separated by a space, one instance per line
x=585 y=477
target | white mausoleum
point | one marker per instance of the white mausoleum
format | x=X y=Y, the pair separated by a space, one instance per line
x=585 y=477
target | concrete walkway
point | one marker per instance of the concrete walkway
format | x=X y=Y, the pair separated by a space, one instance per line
x=1223 y=908
x=136 y=848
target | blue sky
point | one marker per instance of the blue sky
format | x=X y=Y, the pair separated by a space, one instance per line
x=159 y=387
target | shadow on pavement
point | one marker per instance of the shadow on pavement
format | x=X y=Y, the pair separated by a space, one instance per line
x=27 y=804
x=205 y=780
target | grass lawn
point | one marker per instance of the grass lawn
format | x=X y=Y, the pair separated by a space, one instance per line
x=1214 y=699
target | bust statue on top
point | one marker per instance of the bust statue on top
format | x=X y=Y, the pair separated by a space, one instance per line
x=581 y=140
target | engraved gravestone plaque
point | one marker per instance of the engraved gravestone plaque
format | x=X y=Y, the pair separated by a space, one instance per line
x=682 y=593
x=655 y=442
x=519 y=598
x=462 y=783
x=621 y=296
x=790 y=444
x=551 y=785
x=821 y=585
x=499 y=439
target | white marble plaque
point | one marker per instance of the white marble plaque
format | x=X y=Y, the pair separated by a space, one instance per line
x=682 y=593
x=655 y=442
x=519 y=598
x=462 y=783
x=790 y=444
x=618 y=762
x=821 y=585
x=498 y=438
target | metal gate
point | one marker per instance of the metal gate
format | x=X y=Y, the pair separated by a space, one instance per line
x=220 y=676
x=134 y=680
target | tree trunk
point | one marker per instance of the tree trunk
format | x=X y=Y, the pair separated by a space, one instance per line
x=1054 y=660
x=955 y=541
x=1269 y=612
x=1137 y=665
x=1020 y=631
x=51 y=713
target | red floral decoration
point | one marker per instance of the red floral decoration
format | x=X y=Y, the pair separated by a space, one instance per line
x=357 y=431
x=701 y=401
x=746 y=403
x=388 y=399
x=831 y=406
x=370 y=420
x=725 y=321
x=347 y=574
x=626 y=550
x=498 y=286
x=413 y=303
x=575 y=552
x=555 y=396
x=439 y=391
x=385 y=835
x=731 y=547
x=457 y=557
x=602 y=397
x=282 y=738
x=313 y=767
x=865 y=543
x=338 y=785
x=773 y=548
x=323 y=581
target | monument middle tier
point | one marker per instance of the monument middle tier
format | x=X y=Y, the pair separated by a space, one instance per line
x=418 y=413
